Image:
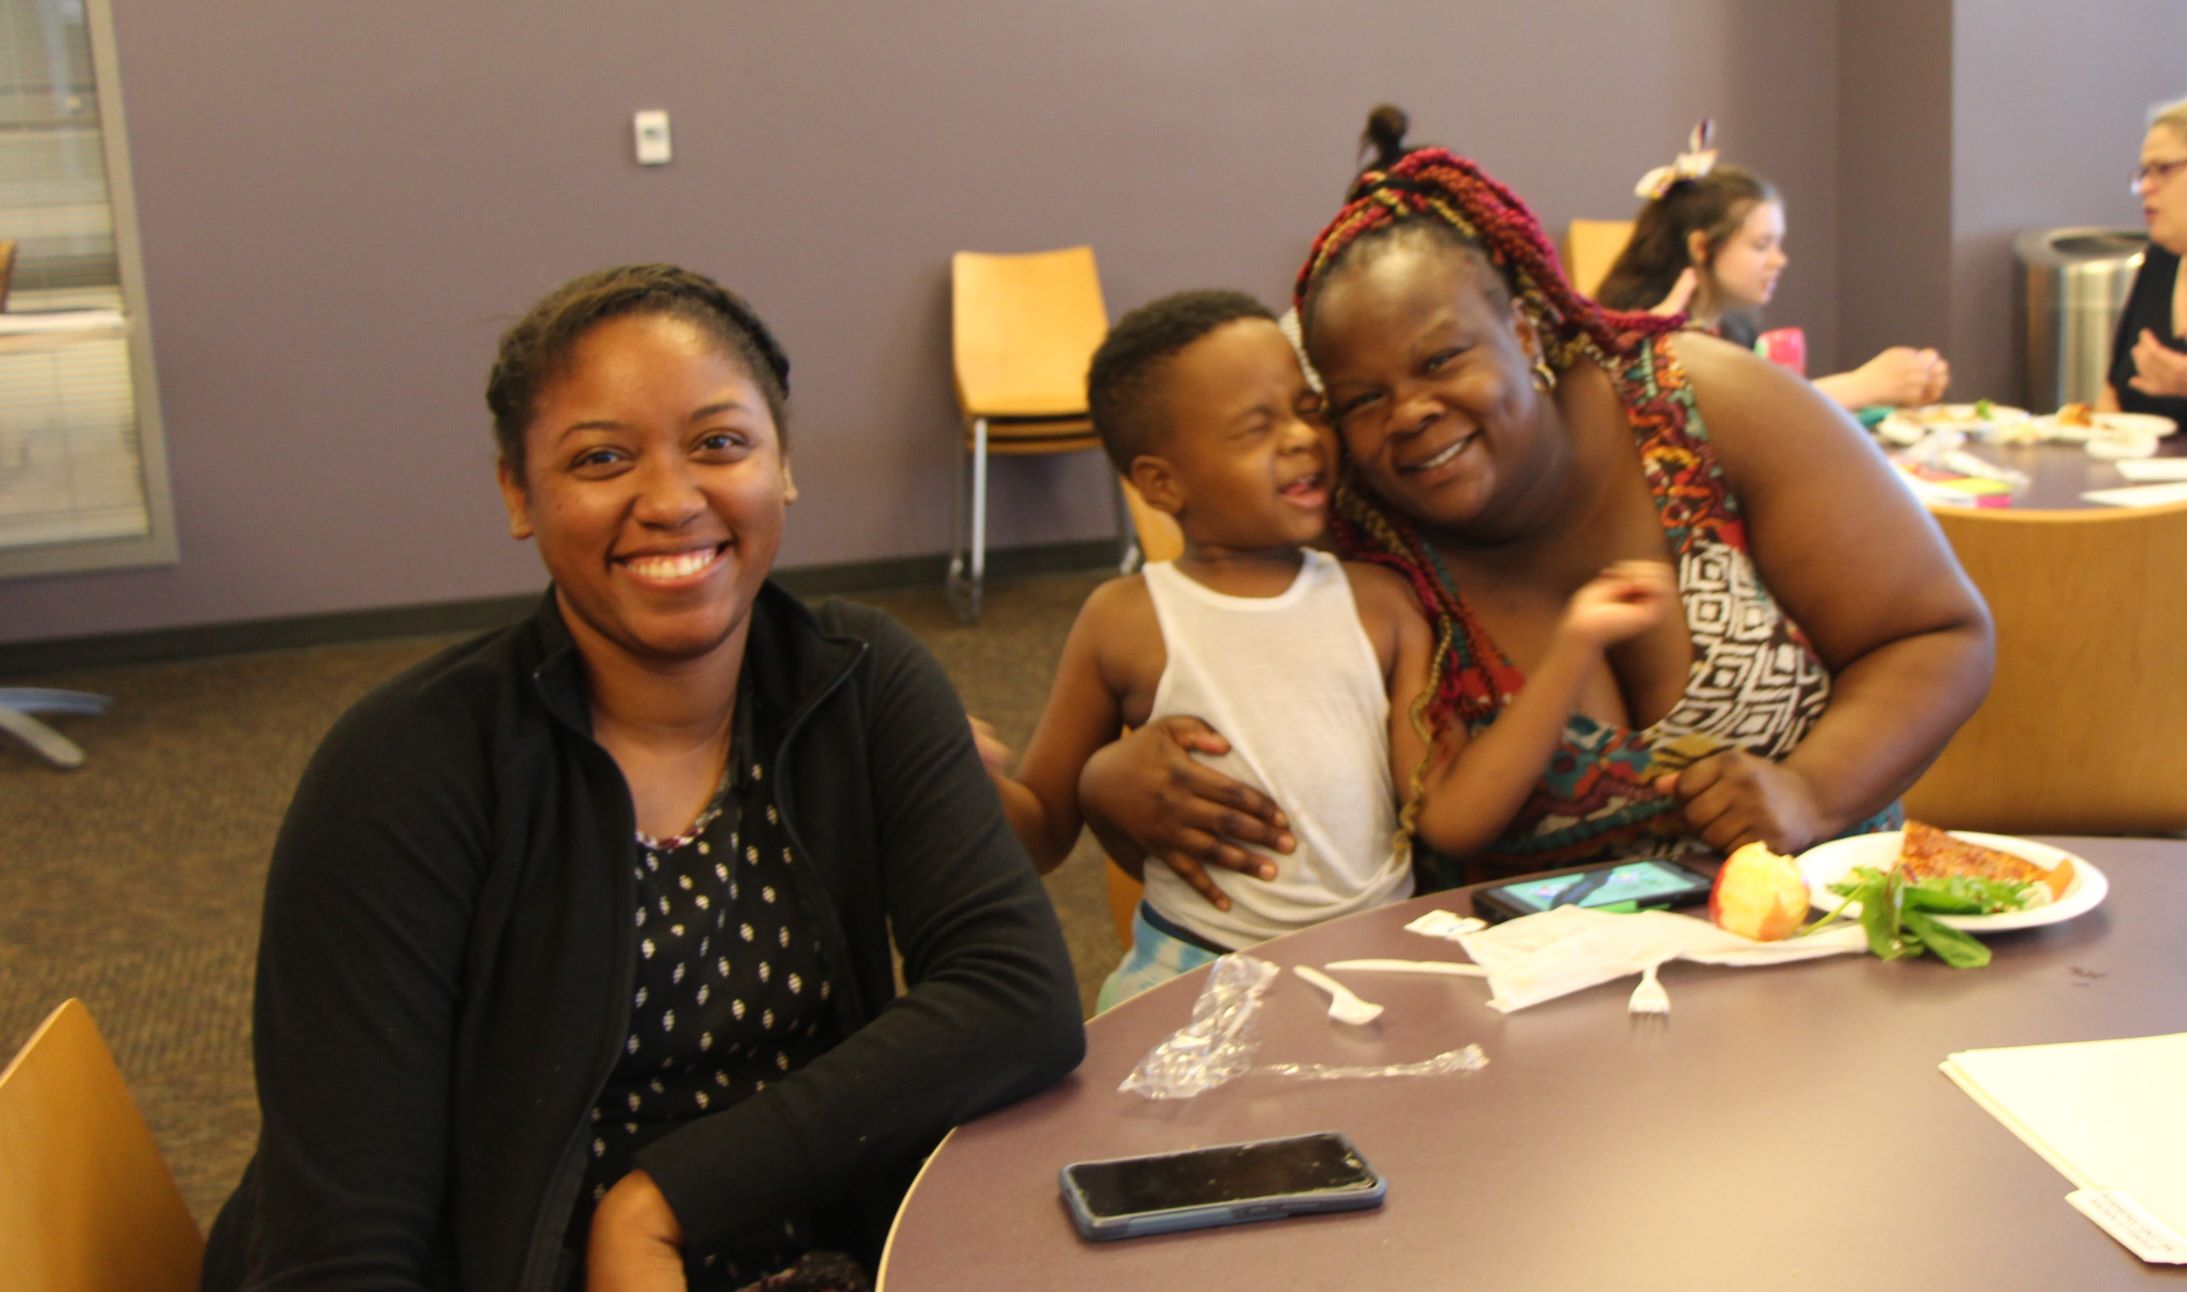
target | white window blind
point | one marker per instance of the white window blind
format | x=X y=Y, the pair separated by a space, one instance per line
x=82 y=478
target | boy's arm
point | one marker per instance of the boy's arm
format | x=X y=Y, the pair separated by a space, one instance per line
x=1475 y=786
x=1403 y=644
x=1084 y=712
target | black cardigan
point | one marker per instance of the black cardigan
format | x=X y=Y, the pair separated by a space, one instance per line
x=445 y=968
x=2148 y=305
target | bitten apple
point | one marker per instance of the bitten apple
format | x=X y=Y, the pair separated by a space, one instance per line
x=1759 y=894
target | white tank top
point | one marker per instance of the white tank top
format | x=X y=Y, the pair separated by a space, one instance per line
x=1292 y=682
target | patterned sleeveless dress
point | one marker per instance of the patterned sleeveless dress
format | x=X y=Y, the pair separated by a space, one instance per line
x=1756 y=683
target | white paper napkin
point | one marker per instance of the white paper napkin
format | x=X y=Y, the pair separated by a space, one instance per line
x=2148 y=495
x=2152 y=470
x=1541 y=957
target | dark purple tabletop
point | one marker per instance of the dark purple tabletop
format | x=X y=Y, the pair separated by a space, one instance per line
x=1782 y=1127
x=2058 y=474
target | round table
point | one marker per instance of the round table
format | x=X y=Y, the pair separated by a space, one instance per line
x=2058 y=474
x=1782 y=1127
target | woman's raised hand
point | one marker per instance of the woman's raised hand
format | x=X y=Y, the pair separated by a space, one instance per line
x=1735 y=798
x=2158 y=369
x=1622 y=602
x=1146 y=796
x=1902 y=377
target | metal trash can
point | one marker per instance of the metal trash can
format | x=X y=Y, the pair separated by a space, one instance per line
x=2075 y=285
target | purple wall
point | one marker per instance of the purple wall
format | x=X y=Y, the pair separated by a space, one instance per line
x=1894 y=166
x=2048 y=117
x=1965 y=123
x=343 y=204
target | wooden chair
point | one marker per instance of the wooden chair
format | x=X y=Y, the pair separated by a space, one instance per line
x=7 y=269
x=1590 y=248
x=86 y=1202
x=1023 y=329
x=2081 y=730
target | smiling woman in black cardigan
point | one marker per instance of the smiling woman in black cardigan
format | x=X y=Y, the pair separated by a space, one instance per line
x=576 y=959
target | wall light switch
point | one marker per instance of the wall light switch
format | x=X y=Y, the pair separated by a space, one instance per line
x=649 y=130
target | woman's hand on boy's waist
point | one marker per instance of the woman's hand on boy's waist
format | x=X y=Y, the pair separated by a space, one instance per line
x=1146 y=796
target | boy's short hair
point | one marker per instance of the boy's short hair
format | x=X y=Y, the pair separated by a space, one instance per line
x=1124 y=383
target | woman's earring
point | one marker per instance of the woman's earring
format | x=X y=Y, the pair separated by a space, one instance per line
x=1545 y=377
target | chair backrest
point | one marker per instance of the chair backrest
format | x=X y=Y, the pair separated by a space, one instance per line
x=7 y=269
x=1590 y=248
x=1023 y=329
x=2081 y=730
x=86 y=1202
x=1159 y=537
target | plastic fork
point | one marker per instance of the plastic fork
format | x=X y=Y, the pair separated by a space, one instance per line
x=1344 y=1006
x=1649 y=997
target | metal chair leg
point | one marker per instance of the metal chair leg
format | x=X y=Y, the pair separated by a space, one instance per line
x=979 y=516
x=955 y=576
x=18 y=703
x=968 y=569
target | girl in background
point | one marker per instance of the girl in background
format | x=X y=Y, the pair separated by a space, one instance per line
x=1710 y=242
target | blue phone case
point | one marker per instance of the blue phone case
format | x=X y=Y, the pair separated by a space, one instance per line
x=1207 y=1216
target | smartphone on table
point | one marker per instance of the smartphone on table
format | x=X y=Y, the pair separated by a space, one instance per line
x=1643 y=884
x=1224 y=1184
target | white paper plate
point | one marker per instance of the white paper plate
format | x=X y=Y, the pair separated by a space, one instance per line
x=2107 y=424
x=2134 y=424
x=2118 y=448
x=1825 y=864
x=1906 y=425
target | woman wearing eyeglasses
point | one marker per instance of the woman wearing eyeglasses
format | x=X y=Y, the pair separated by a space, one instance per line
x=2149 y=354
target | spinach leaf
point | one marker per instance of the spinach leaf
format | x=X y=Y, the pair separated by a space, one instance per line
x=1987 y=895
x=1900 y=919
x=1881 y=908
x=1952 y=946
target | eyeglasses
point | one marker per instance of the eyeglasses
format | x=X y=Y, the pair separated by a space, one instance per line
x=2159 y=171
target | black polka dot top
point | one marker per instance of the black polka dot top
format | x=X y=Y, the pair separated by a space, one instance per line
x=731 y=993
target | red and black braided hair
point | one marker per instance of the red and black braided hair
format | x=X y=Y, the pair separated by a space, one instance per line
x=1432 y=190
x=1454 y=196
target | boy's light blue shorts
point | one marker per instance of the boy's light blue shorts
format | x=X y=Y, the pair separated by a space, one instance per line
x=1155 y=958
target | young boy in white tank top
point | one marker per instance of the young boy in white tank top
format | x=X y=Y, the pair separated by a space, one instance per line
x=1306 y=665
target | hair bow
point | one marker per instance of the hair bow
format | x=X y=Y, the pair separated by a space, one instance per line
x=1694 y=163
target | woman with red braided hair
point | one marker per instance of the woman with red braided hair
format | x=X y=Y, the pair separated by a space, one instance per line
x=1506 y=438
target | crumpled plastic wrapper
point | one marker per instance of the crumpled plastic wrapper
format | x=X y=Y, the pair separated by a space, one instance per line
x=1219 y=1044
x=1466 y=1058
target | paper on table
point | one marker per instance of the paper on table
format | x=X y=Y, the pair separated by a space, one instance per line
x=2148 y=495
x=2107 y=1114
x=2151 y=470
x=1556 y=952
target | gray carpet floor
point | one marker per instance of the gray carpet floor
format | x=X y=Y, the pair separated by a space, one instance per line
x=135 y=881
